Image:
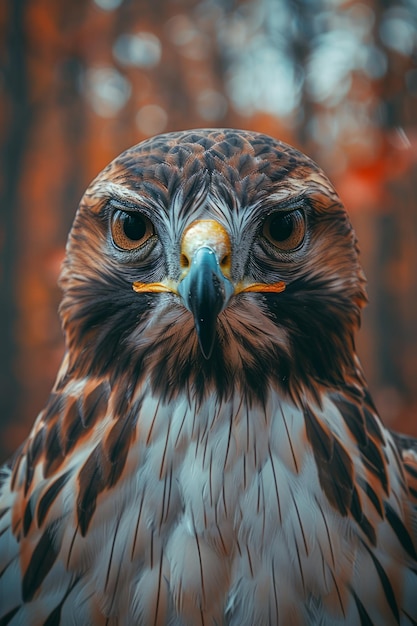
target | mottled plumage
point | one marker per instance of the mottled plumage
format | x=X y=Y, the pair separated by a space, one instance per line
x=210 y=453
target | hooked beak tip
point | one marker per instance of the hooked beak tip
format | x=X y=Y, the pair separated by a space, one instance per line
x=205 y=340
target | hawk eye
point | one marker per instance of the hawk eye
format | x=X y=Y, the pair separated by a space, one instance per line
x=130 y=230
x=285 y=229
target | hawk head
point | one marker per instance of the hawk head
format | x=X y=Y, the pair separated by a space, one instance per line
x=212 y=260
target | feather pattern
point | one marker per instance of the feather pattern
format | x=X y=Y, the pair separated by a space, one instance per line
x=256 y=486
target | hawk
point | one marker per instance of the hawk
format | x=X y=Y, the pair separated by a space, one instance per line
x=210 y=453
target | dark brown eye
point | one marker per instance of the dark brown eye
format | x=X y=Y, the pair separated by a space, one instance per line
x=130 y=230
x=285 y=229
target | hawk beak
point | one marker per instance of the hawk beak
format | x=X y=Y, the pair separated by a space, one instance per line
x=205 y=286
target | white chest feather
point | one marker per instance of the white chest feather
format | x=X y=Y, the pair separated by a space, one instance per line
x=219 y=517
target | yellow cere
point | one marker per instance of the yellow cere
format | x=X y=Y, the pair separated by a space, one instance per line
x=206 y=233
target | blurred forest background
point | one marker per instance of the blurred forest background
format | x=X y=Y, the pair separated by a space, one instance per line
x=82 y=80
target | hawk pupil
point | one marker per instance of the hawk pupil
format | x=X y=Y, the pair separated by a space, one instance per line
x=134 y=226
x=281 y=227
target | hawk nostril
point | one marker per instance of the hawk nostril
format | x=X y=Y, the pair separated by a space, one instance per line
x=225 y=262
